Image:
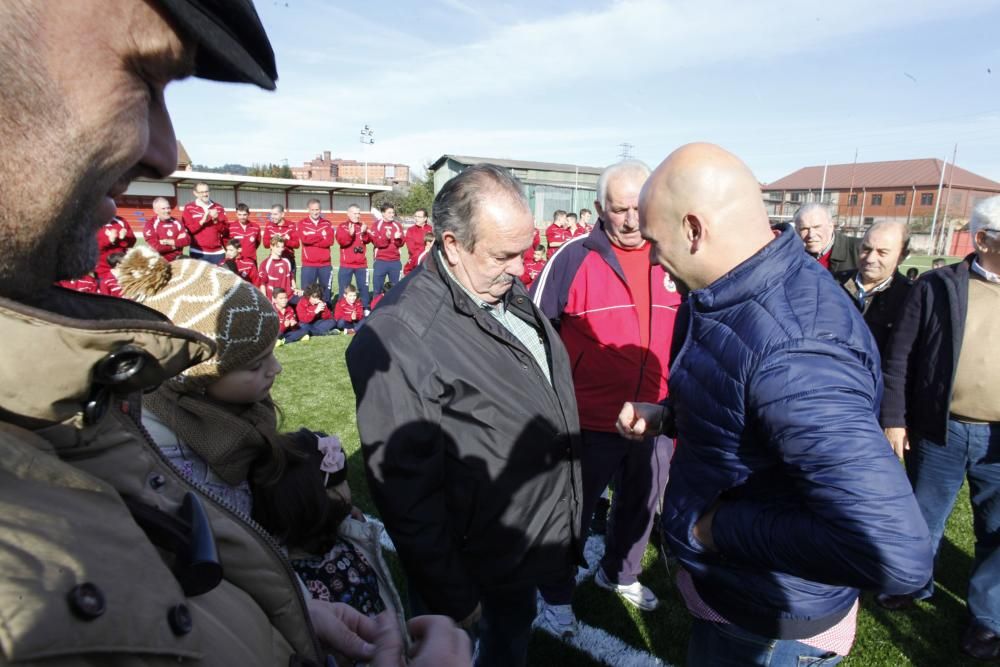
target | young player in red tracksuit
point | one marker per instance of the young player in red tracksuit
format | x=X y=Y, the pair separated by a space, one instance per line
x=387 y=237
x=414 y=239
x=207 y=224
x=353 y=238
x=316 y=235
x=238 y=264
x=557 y=233
x=533 y=267
x=278 y=226
x=165 y=234
x=289 y=329
x=247 y=232
x=276 y=271
x=312 y=310
x=348 y=312
x=114 y=236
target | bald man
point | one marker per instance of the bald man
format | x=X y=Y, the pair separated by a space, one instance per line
x=783 y=498
x=877 y=288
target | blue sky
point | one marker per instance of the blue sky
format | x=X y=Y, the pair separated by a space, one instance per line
x=781 y=84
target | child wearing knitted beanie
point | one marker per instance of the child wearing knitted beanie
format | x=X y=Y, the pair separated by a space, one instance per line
x=216 y=421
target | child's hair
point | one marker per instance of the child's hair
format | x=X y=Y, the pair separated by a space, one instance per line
x=313 y=290
x=115 y=258
x=278 y=291
x=277 y=238
x=571 y=216
x=234 y=243
x=242 y=208
x=428 y=237
x=350 y=289
x=296 y=508
x=539 y=248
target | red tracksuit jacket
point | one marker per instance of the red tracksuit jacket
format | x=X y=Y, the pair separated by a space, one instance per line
x=106 y=246
x=207 y=238
x=349 y=237
x=86 y=284
x=156 y=230
x=532 y=270
x=275 y=273
x=307 y=312
x=288 y=231
x=287 y=321
x=415 y=245
x=245 y=269
x=316 y=237
x=347 y=312
x=554 y=234
x=384 y=239
x=249 y=238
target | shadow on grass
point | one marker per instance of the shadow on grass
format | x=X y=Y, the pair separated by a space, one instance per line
x=929 y=633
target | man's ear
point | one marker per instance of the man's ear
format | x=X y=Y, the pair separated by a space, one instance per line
x=598 y=209
x=694 y=231
x=449 y=247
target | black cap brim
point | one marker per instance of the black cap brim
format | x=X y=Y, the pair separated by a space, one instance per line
x=232 y=43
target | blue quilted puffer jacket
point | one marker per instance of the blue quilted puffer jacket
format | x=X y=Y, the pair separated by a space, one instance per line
x=776 y=390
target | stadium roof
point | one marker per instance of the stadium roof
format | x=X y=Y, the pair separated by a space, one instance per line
x=192 y=177
x=517 y=164
x=924 y=172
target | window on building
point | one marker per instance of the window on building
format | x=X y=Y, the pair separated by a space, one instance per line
x=901 y=199
x=854 y=200
x=796 y=196
x=869 y=221
x=876 y=200
x=926 y=198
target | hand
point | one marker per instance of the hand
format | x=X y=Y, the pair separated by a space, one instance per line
x=297 y=292
x=398 y=235
x=320 y=306
x=364 y=228
x=110 y=233
x=436 y=642
x=899 y=439
x=343 y=629
x=638 y=421
x=703 y=527
x=357 y=514
x=213 y=213
x=169 y=242
x=121 y=233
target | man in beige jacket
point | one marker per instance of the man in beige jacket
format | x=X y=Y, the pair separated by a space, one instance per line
x=107 y=554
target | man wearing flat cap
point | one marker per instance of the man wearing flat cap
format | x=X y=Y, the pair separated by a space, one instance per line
x=107 y=554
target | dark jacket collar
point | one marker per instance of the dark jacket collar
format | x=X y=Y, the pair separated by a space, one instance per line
x=769 y=266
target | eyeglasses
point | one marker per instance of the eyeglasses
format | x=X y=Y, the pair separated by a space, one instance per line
x=201 y=192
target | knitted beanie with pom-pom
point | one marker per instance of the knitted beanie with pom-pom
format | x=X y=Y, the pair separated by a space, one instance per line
x=208 y=299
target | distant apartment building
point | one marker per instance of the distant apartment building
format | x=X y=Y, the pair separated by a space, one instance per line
x=326 y=168
x=859 y=195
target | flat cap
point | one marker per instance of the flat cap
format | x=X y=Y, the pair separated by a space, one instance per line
x=232 y=44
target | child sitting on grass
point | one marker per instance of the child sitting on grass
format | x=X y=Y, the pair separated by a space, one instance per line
x=348 y=312
x=289 y=330
x=314 y=313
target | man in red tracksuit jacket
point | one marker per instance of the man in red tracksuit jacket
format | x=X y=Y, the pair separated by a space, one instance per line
x=207 y=224
x=533 y=267
x=387 y=237
x=557 y=233
x=316 y=235
x=165 y=234
x=615 y=313
x=414 y=239
x=278 y=226
x=353 y=237
x=247 y=232
x=114 y=236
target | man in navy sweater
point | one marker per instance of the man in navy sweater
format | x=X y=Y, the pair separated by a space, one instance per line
x=784 y=497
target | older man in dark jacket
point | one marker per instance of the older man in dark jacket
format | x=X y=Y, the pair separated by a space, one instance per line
x=877 y=288
x=468 y=421
x=783 y=499
x=942 y=379
x=834 y=250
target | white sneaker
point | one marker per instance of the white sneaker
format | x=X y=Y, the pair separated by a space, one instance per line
x=558 y=619
x=635 y=593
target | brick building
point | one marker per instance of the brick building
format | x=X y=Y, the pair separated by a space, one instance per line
x=325 y=168
x=906 y=190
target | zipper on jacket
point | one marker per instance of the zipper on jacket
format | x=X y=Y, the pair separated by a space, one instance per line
x=269 y=541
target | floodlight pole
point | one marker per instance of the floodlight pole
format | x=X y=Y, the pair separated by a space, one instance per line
x=367 y=139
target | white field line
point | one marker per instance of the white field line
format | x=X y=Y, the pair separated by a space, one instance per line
x=596 y=643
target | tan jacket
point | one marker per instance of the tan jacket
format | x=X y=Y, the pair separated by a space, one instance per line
x=80 y=582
